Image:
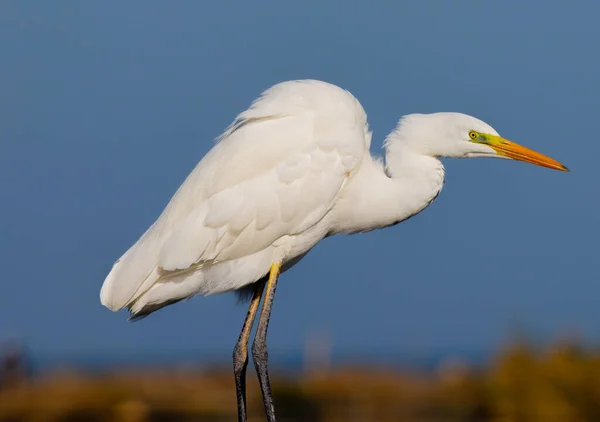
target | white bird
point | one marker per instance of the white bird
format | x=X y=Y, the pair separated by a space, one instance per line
x=292 y=169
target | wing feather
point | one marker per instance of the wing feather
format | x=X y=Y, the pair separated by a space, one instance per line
x=275 y=172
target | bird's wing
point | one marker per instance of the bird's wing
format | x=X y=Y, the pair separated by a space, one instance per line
x=291 y=193
x=269 y=176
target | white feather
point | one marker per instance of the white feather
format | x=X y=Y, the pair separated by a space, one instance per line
x=291 y=169
x=275 y=172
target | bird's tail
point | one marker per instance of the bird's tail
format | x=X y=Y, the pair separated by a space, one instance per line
x=167 y=290
x=132 y=274
x=138 y=283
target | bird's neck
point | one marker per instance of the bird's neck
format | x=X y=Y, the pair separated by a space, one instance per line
x=378 y=196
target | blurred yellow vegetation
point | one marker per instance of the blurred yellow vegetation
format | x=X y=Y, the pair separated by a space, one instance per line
x=521 y=384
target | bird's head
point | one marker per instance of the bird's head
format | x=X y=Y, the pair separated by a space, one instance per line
x=461 y=136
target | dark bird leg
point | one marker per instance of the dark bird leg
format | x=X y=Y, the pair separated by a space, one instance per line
x=240 y=352
x=259 y=347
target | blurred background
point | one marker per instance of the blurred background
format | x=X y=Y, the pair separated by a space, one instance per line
x=481 y=308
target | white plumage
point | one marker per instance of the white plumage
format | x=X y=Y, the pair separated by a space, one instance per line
x=255 y=198
x=291 y=169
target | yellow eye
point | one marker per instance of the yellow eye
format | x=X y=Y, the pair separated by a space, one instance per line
x=473 y=135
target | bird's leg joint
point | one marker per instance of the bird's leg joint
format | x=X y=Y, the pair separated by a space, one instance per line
x=260 y=354
x=240 y=358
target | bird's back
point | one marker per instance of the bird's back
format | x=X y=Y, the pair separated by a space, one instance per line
x=274 y=172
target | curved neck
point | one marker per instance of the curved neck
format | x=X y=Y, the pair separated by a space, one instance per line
x=376 y=197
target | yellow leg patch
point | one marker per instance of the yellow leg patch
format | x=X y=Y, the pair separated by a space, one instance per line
x=273 y=274
x=245 y=334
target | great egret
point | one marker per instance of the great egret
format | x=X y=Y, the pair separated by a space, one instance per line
x=291 y=170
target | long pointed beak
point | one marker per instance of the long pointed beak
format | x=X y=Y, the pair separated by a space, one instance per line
x=515 y=151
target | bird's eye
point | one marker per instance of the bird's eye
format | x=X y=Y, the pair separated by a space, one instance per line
x=473 y=135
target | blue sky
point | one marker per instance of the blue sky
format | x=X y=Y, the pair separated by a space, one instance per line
x=105 y=107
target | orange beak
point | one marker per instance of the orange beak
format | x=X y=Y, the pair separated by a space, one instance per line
x=509 y=149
